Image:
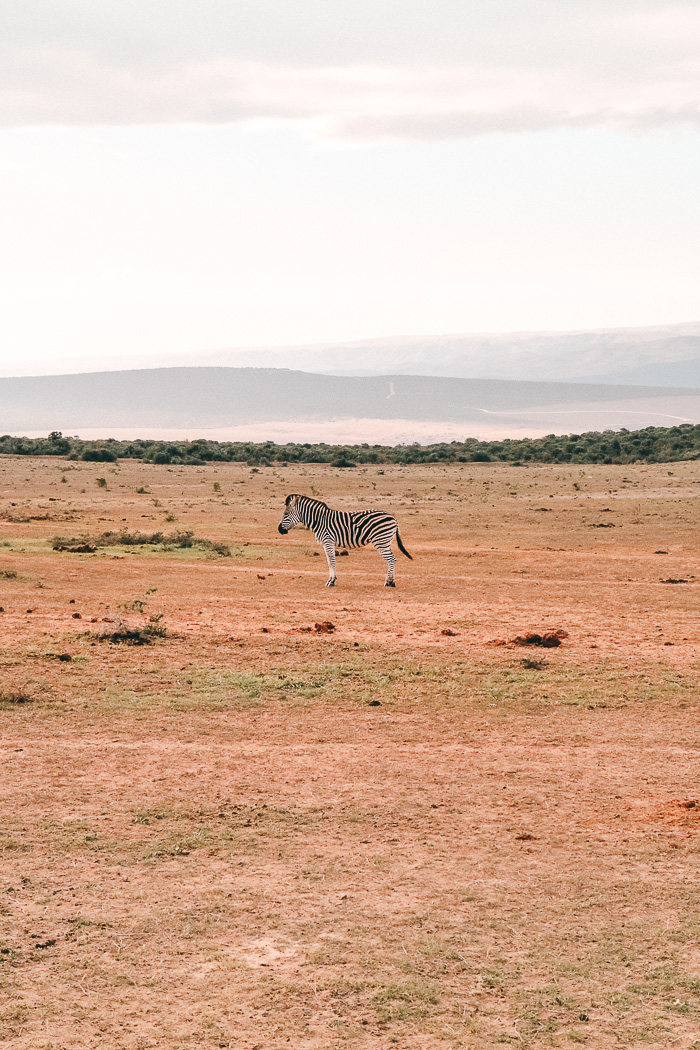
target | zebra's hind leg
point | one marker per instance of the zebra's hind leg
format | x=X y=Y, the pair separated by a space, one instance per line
x=329 y=548
x=388 y=556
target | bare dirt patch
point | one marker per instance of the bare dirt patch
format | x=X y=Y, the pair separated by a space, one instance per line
x=389 y=833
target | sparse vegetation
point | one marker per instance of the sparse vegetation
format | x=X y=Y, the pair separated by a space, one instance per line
x=124 y=634
x=139 y=604
x=165 y=541
x=154 y=627
x=16 y=695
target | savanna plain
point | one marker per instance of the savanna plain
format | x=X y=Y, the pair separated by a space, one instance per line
x=224 y=826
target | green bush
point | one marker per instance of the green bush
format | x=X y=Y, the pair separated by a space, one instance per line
x=651 y=445
x=98 y=455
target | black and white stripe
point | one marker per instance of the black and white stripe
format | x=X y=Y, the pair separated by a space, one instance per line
x=338 y=528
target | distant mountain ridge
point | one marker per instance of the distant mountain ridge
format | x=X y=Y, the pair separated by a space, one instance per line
x=659 y=355
x=200 y=399
x=674 y=373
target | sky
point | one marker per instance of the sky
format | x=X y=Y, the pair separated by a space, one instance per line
x=179 y=177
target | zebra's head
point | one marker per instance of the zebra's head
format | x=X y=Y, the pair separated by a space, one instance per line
x=291 y=515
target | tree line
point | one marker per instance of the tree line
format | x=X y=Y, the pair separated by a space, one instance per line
x=650 y=445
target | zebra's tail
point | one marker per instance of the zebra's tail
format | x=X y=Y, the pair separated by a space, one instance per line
x=401 y=546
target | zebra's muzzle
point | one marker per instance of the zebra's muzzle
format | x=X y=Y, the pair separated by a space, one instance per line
x=281 y=529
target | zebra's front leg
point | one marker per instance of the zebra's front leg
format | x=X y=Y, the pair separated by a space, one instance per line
x=388 y=556
x=329 y=548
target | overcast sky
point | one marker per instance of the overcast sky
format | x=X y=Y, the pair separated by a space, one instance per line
x=177 y=176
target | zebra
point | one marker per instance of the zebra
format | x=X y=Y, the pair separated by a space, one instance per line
x=338 y=528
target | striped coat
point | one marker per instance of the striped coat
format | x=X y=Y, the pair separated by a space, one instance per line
x=338 y=528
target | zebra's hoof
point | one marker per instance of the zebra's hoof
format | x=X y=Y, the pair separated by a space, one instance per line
x=389 y=583
x=331 y=583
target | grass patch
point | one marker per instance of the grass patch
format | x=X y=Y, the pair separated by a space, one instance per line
x=405 y=1000
x=242 y=690
x=455 y=687
x=20 y=693
x=178 y=845
x=149 y=816
x=8 y=844
x=16 y=695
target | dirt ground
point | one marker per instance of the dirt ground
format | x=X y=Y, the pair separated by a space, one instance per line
x=246 y=833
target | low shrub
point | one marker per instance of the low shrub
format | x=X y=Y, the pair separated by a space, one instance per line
x=123 y=538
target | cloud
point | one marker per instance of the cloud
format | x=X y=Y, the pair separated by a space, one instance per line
x=382 y=74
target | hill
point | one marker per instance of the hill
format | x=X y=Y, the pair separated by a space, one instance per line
x=662 y=355
x=259 y=401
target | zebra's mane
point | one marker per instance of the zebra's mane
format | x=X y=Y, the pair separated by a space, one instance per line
x=320 y=503
x=298 y=495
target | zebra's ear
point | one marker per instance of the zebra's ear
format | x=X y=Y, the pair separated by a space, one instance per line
x=288 y=500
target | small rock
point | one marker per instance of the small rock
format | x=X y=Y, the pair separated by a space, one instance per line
x=326 y=627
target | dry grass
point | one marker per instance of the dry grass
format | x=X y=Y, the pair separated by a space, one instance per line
x=244 y=834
